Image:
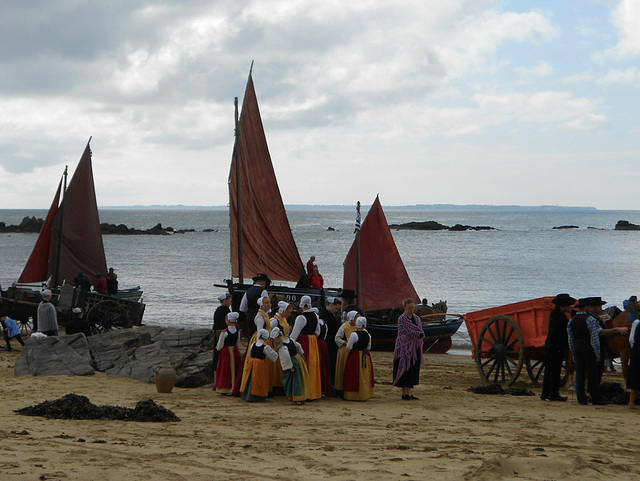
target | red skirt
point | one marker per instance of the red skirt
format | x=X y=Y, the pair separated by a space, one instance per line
x=358 y=376
x=325 y=367
x=228 y=369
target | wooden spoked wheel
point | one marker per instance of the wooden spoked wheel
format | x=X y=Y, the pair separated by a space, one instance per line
x=535 y=369
x=107 y=315
x=500 y=350
x=26 y=326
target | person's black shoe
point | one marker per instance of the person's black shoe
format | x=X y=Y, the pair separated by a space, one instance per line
x=406 y=397
x=544 y=397
x=558 y=398
x=412 y=396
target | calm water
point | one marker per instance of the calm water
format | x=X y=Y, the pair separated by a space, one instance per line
x=524 y=258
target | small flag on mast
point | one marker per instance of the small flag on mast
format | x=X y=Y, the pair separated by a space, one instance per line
x=357 y=229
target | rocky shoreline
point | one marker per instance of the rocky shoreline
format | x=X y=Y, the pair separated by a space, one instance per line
x=31 y=225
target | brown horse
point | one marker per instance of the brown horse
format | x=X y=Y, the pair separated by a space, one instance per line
x=435 y=308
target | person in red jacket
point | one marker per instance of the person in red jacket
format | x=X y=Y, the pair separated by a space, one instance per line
x=101 y=284
x=315 y=279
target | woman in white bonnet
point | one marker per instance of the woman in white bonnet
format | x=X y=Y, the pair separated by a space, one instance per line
x=358 y=370
x=229 y=363
x=306 y=330
x=342 y=336
x=295 y=373
x=255 y=378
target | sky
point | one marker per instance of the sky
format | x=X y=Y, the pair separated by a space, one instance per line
x=419 y=101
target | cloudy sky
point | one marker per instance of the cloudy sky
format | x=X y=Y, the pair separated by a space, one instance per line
x=421 y=101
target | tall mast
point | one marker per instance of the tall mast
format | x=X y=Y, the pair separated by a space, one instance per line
x=358 y=285
x=59 y=250
x=238 y=150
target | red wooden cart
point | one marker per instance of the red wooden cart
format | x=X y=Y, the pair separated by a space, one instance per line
x=507 y=337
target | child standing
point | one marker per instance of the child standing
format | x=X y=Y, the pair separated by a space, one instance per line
x=255 y=378
x=295 y=373
x=229 y=365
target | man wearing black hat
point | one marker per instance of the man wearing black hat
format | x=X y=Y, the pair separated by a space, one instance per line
x=249 y=303
x=584 y=331
x=348 y=303
x=555 y=347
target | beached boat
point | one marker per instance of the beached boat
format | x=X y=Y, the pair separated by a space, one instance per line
x=70 y=242
x=374 y=269
x=261 y=238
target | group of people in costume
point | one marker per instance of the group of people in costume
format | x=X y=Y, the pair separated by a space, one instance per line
x=304 y=361
x=578 y=325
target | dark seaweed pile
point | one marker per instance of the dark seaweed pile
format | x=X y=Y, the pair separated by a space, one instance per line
x=498 y=389
x=73 y=406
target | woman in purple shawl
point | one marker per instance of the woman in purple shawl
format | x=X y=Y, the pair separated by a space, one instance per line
x=407 y=356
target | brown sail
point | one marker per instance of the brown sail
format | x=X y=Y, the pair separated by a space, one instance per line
x=256 y=209
x=81 y=248
x=36 y=268
x=384 y=281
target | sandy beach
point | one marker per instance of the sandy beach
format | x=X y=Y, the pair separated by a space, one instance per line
x=448 y=434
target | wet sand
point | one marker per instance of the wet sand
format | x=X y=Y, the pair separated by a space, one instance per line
x=448 y=434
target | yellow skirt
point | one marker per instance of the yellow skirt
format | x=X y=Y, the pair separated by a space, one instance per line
x=341 y=360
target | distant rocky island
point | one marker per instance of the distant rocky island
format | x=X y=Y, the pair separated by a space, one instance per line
x=433 y=225
x=33 y=225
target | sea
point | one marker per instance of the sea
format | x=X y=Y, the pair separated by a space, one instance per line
x=524 y=257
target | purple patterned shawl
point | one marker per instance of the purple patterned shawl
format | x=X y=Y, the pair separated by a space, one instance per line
x=408 y=344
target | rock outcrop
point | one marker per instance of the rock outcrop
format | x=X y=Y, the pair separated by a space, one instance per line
x=133 y=353
x=626 y=225
x=433 y=225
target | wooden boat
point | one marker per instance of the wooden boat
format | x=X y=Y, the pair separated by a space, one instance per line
x=261 y=238
x=374 y=269
x=70 y=242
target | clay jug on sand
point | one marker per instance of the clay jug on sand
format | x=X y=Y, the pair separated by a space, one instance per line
x=165 y=378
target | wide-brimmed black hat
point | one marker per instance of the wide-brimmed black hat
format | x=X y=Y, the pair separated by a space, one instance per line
x=348 y=294
x=262 y=277
x=591 y=301
x=564 y=300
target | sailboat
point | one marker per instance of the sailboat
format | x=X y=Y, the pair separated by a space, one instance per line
x=261 y=238
x=374 y=269
x=70 y=242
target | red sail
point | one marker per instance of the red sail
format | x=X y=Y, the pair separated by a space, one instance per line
x=384 y=280
x=82 y=248
x=267 y=242
x=36 y=268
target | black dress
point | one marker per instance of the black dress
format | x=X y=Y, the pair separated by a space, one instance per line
x=633 y=374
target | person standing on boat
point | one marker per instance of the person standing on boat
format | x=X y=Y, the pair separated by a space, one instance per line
x=328 y=315
x=101 y=284
x=315 y=279
x=82 y=281
x=555 y=347
x=306 y=329
x=310 y=265
x=358 y=370
x=219 y=325
x=47 y=316
x=249 y=304
x=407 y=355
x=112 y=281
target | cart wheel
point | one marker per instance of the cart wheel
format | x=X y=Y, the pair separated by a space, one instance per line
x=500 y=350
x=535 y=369
x=26 y=327
x=107 y=315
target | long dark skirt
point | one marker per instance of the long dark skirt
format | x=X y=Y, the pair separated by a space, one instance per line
x=411 y=376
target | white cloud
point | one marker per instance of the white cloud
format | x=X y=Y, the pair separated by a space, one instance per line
x=541 y=69
x=629 y=76
x=588 y=122
x=626 y=19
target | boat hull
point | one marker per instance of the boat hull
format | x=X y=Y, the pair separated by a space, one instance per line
x=437 y=337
